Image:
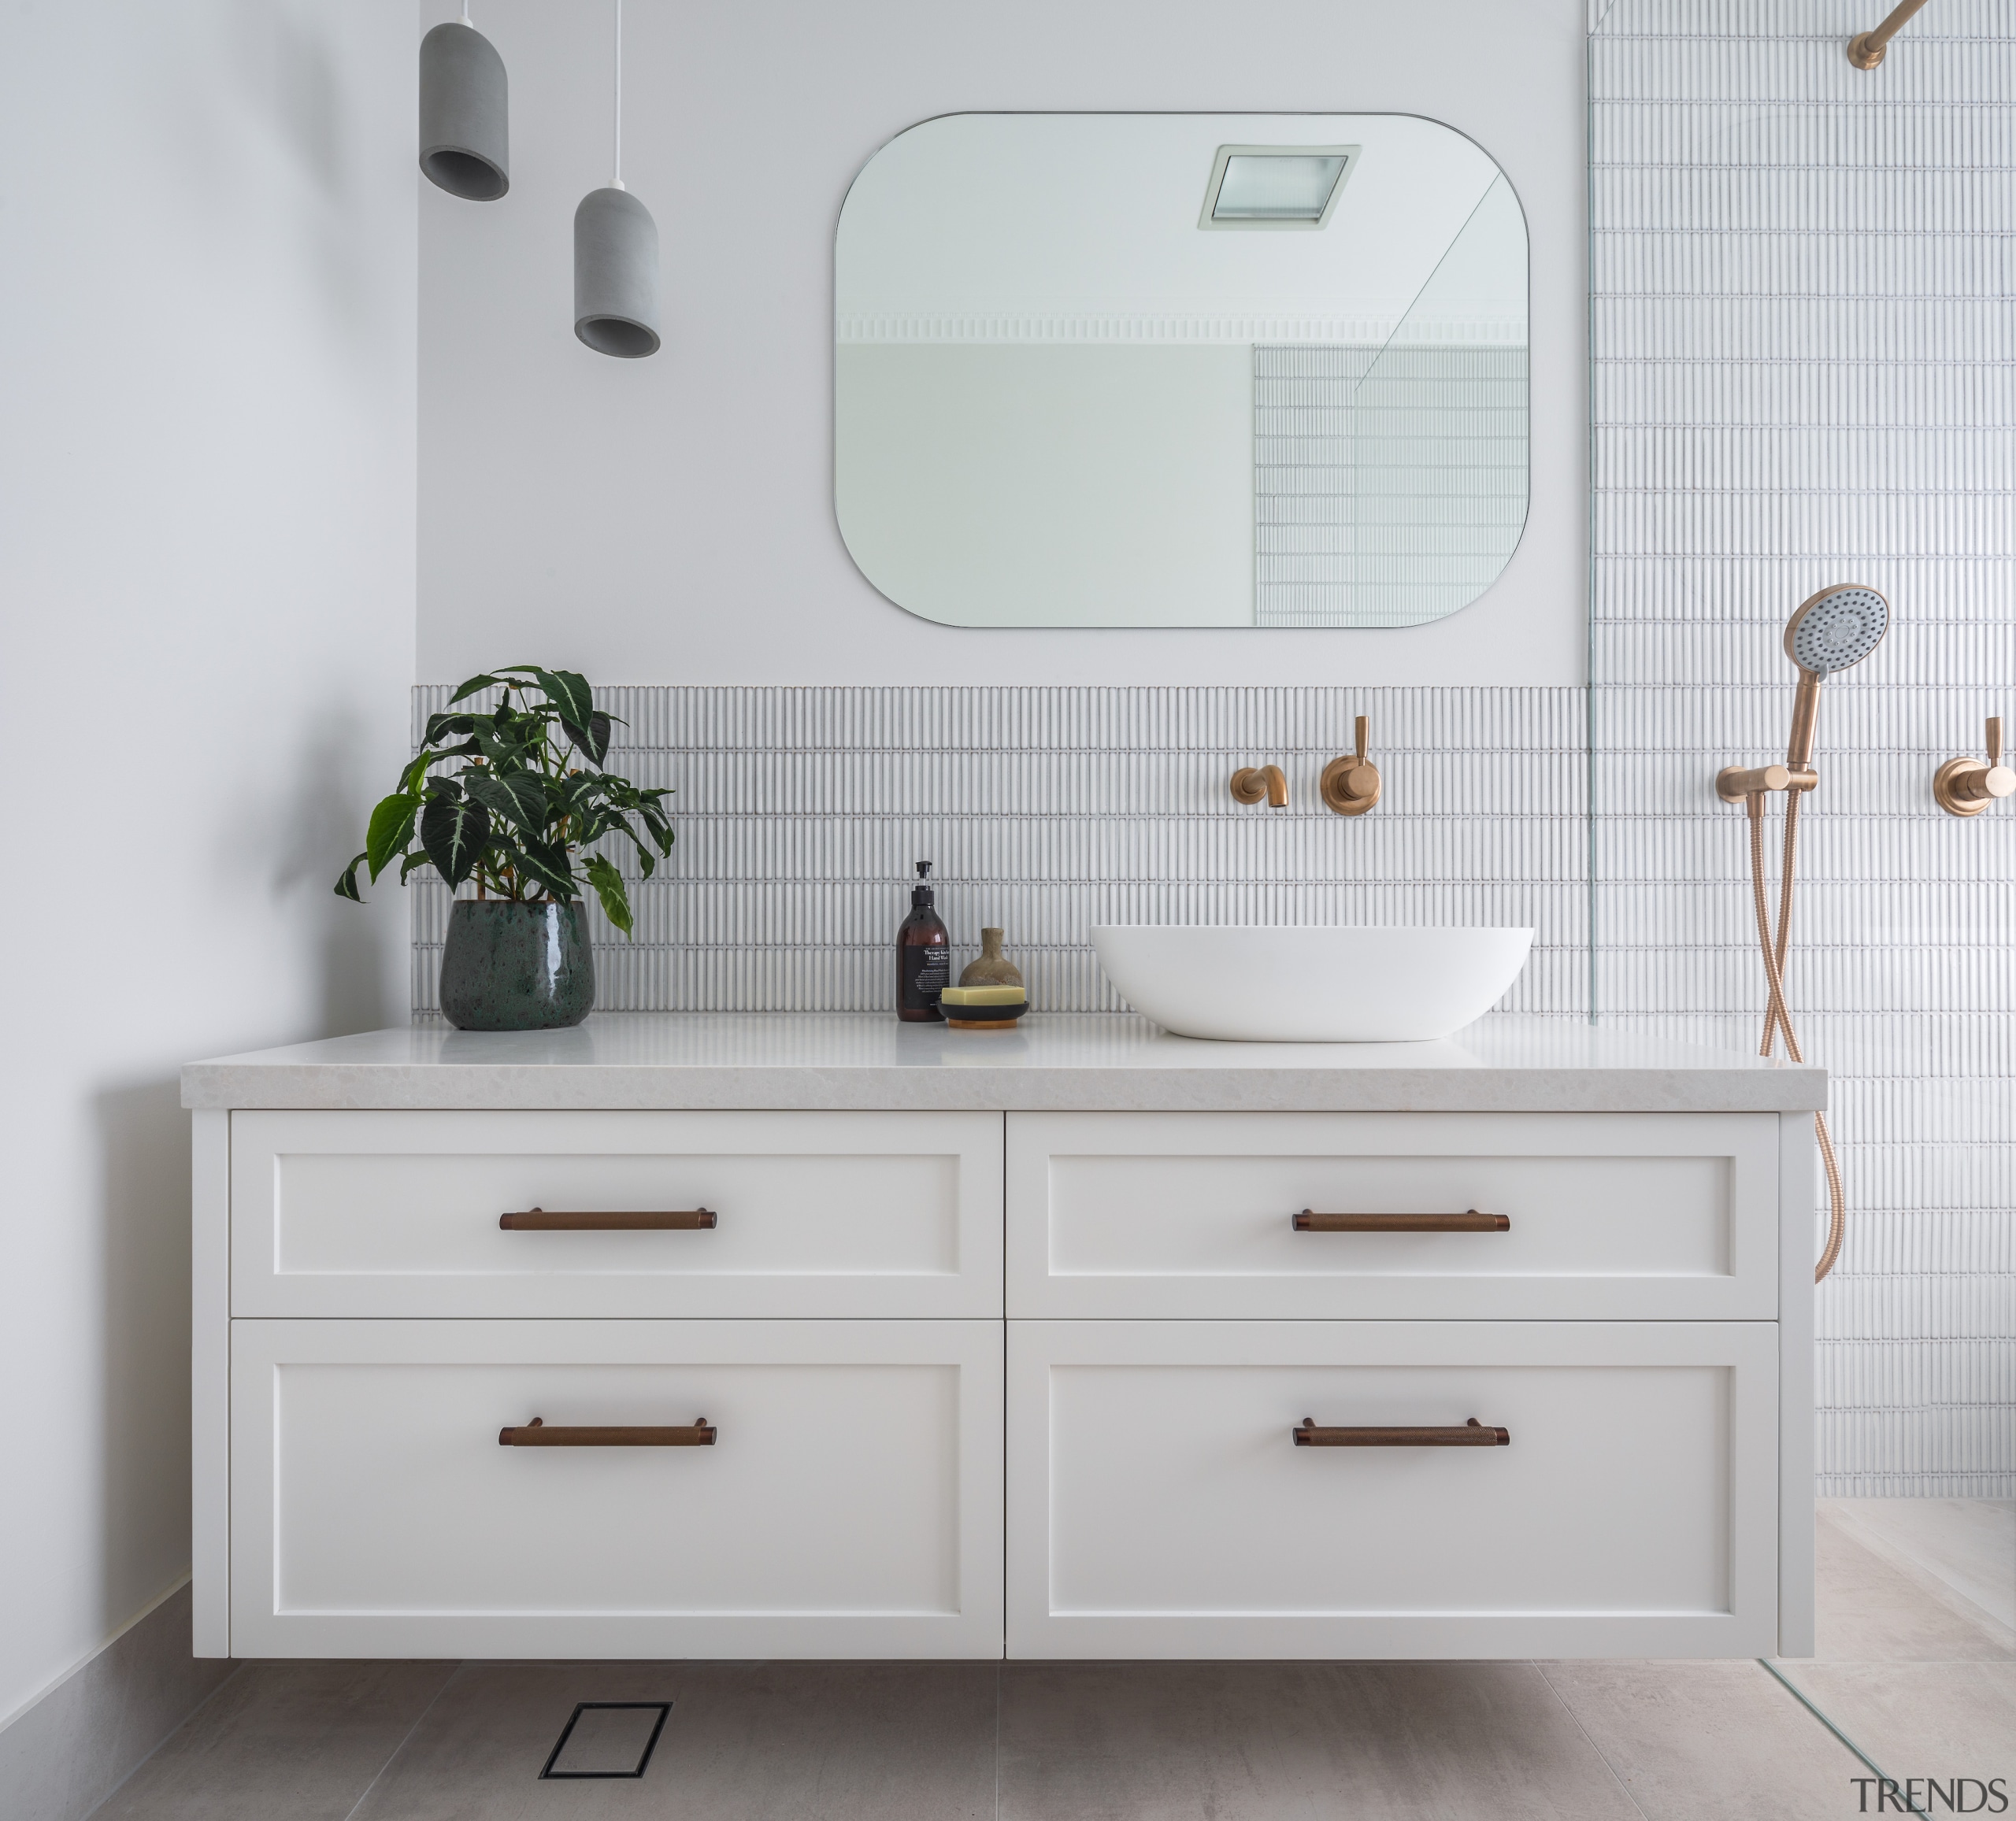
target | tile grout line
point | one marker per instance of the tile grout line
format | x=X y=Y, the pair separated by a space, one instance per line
x=159 y=1743
x=1602 y=1757
x=997 y=1741
x=420 y=1719
x=1798 y=1695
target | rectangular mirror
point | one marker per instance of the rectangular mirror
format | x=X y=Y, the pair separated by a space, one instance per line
x=1181 y=370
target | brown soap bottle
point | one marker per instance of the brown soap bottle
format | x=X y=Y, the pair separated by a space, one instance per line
x=924 y=956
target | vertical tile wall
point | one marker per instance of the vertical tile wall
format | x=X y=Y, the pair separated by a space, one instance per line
x=1802 y=340
x=799 y=811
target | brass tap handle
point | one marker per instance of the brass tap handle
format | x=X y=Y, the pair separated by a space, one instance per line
x=1351 y=784
x=1251 y=783
x=1967 y=786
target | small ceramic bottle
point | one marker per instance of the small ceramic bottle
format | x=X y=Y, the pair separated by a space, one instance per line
x=993 y=969
x=924 y=956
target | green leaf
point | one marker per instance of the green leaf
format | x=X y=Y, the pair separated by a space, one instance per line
x=545 y=864
x=391 y=828
x=567 y=691
x=347 y=885
x=514 y=795
x=412 y=864
x=437 y=725
x=593 y=739
x=661 y=830
x=455 y=835
x=609 y=887
x=474 y=684
x=569 y=696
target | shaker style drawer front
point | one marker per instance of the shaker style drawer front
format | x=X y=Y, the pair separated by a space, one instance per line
x=1435 y=1217
x=1467 y=1489
x=843 y=1499
x=711 y=1214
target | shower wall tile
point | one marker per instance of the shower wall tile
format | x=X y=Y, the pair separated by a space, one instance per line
x=1804 y=371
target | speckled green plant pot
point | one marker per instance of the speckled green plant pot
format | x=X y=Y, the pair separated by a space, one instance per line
x=516 y=966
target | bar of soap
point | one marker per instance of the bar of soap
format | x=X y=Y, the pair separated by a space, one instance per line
x=955 y=995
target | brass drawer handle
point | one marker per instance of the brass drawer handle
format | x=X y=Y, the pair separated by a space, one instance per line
x=1473 y=1434
x=1308 y=1221
x=698 y=1434
x=676 y=1221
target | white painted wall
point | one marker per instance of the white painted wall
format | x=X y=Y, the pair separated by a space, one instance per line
x=1005 y=484
x=206 y=550
x=671 y=520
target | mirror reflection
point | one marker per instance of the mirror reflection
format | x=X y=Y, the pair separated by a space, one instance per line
x=1181 y=370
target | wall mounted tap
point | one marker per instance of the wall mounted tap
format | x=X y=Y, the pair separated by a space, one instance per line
x=1967 y=786
x=1351 y=784
x=1251 y=783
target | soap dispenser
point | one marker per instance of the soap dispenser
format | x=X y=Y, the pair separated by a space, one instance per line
x=924 y=956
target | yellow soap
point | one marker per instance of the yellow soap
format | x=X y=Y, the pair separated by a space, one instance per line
x=983 y=996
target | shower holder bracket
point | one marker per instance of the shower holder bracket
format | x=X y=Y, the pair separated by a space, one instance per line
x=1735 y=783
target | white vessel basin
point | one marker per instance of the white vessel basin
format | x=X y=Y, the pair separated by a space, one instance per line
x=1310 y=983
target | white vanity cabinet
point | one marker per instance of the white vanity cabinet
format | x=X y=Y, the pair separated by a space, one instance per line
x=813 y=1337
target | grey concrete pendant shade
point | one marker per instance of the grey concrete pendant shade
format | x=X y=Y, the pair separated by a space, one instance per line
x=616 y=274
x=463 y=135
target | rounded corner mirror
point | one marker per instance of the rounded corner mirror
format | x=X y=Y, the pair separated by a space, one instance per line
x=1199 y=370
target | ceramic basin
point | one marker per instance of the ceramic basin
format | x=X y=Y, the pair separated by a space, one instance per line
x=1310 y=983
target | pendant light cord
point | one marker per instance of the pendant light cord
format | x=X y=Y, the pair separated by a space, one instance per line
x=615 y=182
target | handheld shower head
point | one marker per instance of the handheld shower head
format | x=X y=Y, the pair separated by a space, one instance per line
x=1837 y=628
x=1833 y=630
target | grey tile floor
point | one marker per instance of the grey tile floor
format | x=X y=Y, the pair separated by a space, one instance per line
x=1916 y=1664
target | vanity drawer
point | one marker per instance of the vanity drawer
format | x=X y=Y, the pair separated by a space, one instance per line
x=849 y=1505
x=1159 y=1505
x=1633 y=1216
x=847 y=1214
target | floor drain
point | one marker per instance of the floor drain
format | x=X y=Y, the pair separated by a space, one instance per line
x=606 y=1738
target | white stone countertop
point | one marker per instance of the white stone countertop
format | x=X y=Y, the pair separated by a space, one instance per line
x=1065 y=1062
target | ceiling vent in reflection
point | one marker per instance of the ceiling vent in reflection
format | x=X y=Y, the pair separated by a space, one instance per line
x=1276 y=186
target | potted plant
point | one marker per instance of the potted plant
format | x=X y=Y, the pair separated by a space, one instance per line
x=514 y=819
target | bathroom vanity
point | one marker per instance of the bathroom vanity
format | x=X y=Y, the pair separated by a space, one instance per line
x=846 y=1339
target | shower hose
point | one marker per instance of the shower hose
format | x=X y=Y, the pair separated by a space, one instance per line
x=1776 y=1017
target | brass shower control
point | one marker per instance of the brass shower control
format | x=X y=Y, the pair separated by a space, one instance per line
x=1250 y=783
x=1967 y=786
x=1735 y=783
x=1351 y=784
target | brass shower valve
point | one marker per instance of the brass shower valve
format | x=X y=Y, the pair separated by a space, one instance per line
x=1351 y=784
x=1250 y=783
x=1967 y=786
x=1738 y=783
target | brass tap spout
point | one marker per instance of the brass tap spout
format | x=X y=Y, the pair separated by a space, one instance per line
x=1251 y=783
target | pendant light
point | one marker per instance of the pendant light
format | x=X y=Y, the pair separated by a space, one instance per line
x=616 y=256
x=463 y=138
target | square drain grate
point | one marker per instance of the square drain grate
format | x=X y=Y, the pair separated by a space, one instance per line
x=606 y=1738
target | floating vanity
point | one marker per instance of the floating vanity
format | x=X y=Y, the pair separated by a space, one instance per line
x=846 y=1339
